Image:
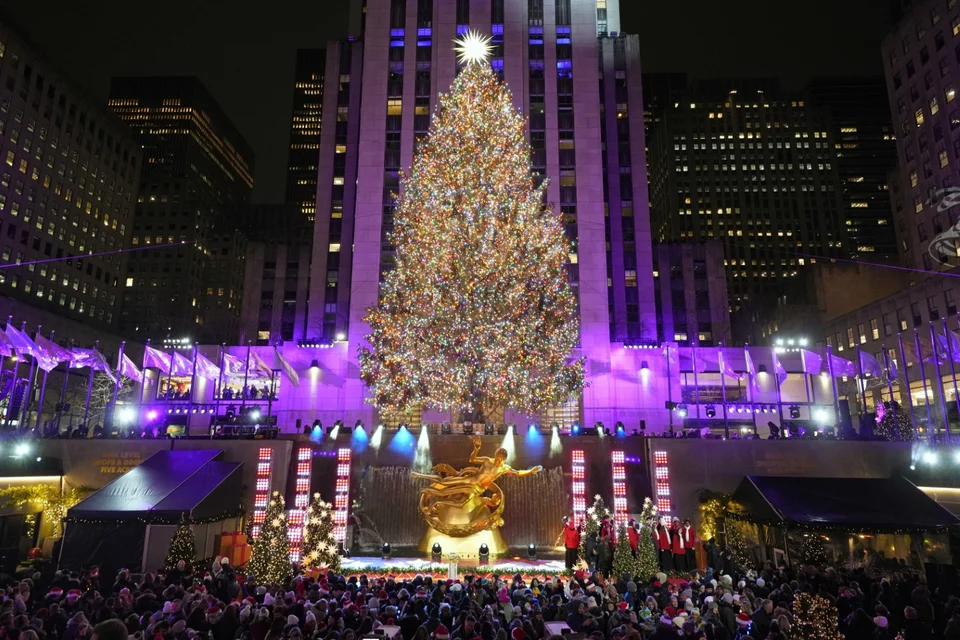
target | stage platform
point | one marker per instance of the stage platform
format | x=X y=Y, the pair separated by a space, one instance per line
x=409 y=567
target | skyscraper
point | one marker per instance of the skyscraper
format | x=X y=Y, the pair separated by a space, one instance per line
x=744 y=163
x=68 y=181
x=589 y=145
x=865 y=151
x=305 y=126
x=922 y=70
x=195 y=163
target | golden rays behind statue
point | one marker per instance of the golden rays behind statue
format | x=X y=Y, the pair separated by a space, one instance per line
x=462 y=503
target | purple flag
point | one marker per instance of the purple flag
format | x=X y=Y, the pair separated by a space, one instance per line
x=181 y=365
x=206 y=369
x=129 y=370
x=778 y=369
x=6 y=347
x=751 y=370
x=258 y=368
x=812 y=362
x=869 y=365
x=233 y=365
x=21 y=342
x=725 y=368
x=93 y=359
x=842 y=368
x=947 y=351
x=156 y=359
x=287 y=369
x=51 y=354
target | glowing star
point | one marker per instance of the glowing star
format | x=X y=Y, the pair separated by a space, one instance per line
x=472 y=47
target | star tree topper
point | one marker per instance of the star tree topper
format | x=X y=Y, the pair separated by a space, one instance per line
x=473 y=47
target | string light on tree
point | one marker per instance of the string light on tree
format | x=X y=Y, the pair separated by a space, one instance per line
x=270 y=561
x=182 y=546
x=477 y=315
x=319 y=543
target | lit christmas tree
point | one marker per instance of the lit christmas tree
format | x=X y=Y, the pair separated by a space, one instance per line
x=814 y=617
x=477 y=315
x=812 y=550
x=182 y=546
x=319 y=545
x=893 y=424
x=270 y=562
x=648 y=558
x=591 y=524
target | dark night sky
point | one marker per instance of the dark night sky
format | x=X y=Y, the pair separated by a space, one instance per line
x=244 y=51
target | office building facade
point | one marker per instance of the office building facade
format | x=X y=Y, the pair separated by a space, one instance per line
x=865 y=149
x=69 y=172
x=691 y=288
x=380 y=91
x=921 y=59
x=305 y=124
x=195 y=164
x=743 y=163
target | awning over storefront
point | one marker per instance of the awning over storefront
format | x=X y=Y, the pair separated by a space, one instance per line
x=845 y=504
x=167 y=485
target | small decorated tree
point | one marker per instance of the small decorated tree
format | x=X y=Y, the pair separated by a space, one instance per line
x=812 y=550
x=893 y=424
x=648 y=560
x=182 y=546
x=319 y=544
x=591 y=524
x=270 y=562
x=814 y=617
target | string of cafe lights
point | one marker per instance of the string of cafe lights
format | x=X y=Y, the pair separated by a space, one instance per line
x=84 y=256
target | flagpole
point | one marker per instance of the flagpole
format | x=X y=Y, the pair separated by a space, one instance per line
x=776 y=377
x=43 y=390
x=116 y=385
x=906 y=378
x=751 y=383
x=173 y=359
x=833 y=383
x=723 y=394
x=193 y=383
x=886 y=369
x=669 y=390
x=953 y=368
x=939 y=388
x=86 y=406
x=219 y=391
x=26 y=395
x=923 y=377
x=143 y=387
x=246 y=369
x=861 y=385
x=696 y=384
x=63 y=390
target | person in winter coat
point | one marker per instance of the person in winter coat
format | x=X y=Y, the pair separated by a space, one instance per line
x=689 y=536
x=590 y=551
x=633 y=535
x=679 y=547
x=571 y=542
x=662 y=536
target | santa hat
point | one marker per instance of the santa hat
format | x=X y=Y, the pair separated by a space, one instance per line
x=441 y=633
x=73 y=594
x=456 y=587
x=623 y=605
x=201 y=589
x=421 y=593
x=56 y=593
x=743 y=619
x=517 y=633
x=214 y=610
x=251 y=600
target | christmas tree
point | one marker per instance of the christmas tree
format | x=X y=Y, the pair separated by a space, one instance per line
x=477 y=313
x=812 y=550
x=814 y=617
x=270 y=562
x=319 y=545
x=893 y=424
x=591 y=524
x=648 y=558
x=182 y=546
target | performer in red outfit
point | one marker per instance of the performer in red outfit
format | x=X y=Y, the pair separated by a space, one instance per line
x=662 y=536
x=633 y=535
x=690 y=542
x=678 y=546
x=571 y=541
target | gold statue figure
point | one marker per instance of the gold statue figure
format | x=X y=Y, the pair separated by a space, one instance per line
x=462 y=503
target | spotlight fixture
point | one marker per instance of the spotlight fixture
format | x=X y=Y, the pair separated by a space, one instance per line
x=711 y=411
x=621 y=430
x=314 y=365
x=762 y=368
x=575 y=429
x=445 y=428
x=682 y=410
x=488 y=429
x=794 y=412
x=436 y=552
x=484 y=553
x=468 y=428
x=644 y=366
x=385 y=551
x=358 y=425
x=554 y=427
x=774 y=431
x=531 y=551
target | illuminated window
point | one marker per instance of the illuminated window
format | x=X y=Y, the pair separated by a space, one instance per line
x=944 y=160
x=334 y=247
x=394 y=107
x=951 y=94
x=338 y=180
x=129 y=282
x=934 y=107
x=341 y=148
x=919 y=116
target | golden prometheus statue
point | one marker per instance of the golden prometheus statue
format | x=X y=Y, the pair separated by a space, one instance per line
x=460 y=504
